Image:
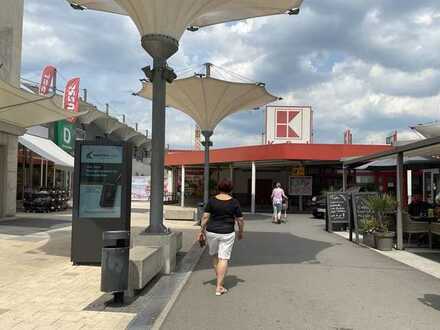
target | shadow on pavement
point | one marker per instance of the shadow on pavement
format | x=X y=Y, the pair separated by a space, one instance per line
x=431 y=300
x=21 y=227
x=57 y=245
x=272 y=248
x=257 y=217
x=231 y=281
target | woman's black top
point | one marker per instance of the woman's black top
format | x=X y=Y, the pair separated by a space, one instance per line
x=223 y=215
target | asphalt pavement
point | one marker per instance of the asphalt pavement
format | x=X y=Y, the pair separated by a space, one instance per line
x=297 y=276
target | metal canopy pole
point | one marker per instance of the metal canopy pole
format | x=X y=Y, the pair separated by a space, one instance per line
x=253 y=187
x=182 y=187
x=207 y=144
x=399 y=225
x=160 y=47
x=41 y=173
x=47 y=169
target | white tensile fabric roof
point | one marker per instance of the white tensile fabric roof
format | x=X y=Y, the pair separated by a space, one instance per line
x=108 y=124
x=30 y=114
x=126 y=133
x=48 y=150
x=209 y=100
x=139 y=140
x=172 y=17
x=392 y=162
x=428 y=130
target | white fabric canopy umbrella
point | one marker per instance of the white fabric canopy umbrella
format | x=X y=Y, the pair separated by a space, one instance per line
x=24 y=109
x=209 y=100
x=161 y=24
x=172 y=17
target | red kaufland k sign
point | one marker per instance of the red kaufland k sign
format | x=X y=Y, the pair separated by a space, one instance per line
x=289 y=124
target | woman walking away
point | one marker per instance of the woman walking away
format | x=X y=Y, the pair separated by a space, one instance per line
x=218 y=228
x=277 y=201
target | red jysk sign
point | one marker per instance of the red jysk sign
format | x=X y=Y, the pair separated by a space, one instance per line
x=47 y=78
x=71 y=97
x=284 y=119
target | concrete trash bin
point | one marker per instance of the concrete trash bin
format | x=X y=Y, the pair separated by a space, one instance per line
x=200 y=211
x=114 y=263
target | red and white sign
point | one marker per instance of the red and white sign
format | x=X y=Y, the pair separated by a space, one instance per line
x=71 y=97
x=47 y=78
x=289 y=124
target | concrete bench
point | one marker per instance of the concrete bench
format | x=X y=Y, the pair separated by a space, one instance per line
x=145 y=264
x=182 y=215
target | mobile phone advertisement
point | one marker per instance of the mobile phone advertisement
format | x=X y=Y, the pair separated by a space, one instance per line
x=100 y=181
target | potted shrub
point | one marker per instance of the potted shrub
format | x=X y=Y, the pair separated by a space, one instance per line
x=382 y=206
x=367 y=229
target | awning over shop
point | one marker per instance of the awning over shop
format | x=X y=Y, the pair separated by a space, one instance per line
x=428 y=130
x=409 y=162
x=24 y=109
x=48 y=150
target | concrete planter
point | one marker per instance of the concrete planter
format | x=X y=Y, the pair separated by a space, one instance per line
x=384 y=241
x=369 y=240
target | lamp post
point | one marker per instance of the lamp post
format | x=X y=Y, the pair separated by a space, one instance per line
x=207 y=144
x=161 y=23
x=161 y=48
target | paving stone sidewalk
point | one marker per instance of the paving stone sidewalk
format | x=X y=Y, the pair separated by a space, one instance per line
x=39 y=286
x=297 y=276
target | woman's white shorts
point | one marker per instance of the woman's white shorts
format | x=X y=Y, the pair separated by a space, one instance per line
x=220 y=244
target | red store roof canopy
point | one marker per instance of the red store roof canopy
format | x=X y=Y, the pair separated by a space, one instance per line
x=275 y=152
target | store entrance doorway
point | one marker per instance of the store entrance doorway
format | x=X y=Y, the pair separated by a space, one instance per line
x=262 y=193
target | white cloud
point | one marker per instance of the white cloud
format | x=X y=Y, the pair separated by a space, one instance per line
x=372 y=66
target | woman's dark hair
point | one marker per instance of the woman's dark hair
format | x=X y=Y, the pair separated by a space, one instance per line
x=225 y=186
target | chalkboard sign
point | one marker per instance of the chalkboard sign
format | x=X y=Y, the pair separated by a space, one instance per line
x=361 y=210
x=338 y=209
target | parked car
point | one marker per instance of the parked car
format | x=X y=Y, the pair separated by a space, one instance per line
x=319 y=203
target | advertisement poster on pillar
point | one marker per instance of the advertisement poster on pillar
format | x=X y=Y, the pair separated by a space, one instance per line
x=100 y=181
x=289 y=124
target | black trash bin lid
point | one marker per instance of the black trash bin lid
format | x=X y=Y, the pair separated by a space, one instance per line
x=115 y=235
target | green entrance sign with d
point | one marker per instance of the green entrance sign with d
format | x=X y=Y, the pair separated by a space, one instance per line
x=65 y=135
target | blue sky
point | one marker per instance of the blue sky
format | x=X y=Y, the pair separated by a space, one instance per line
x=371 y=66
